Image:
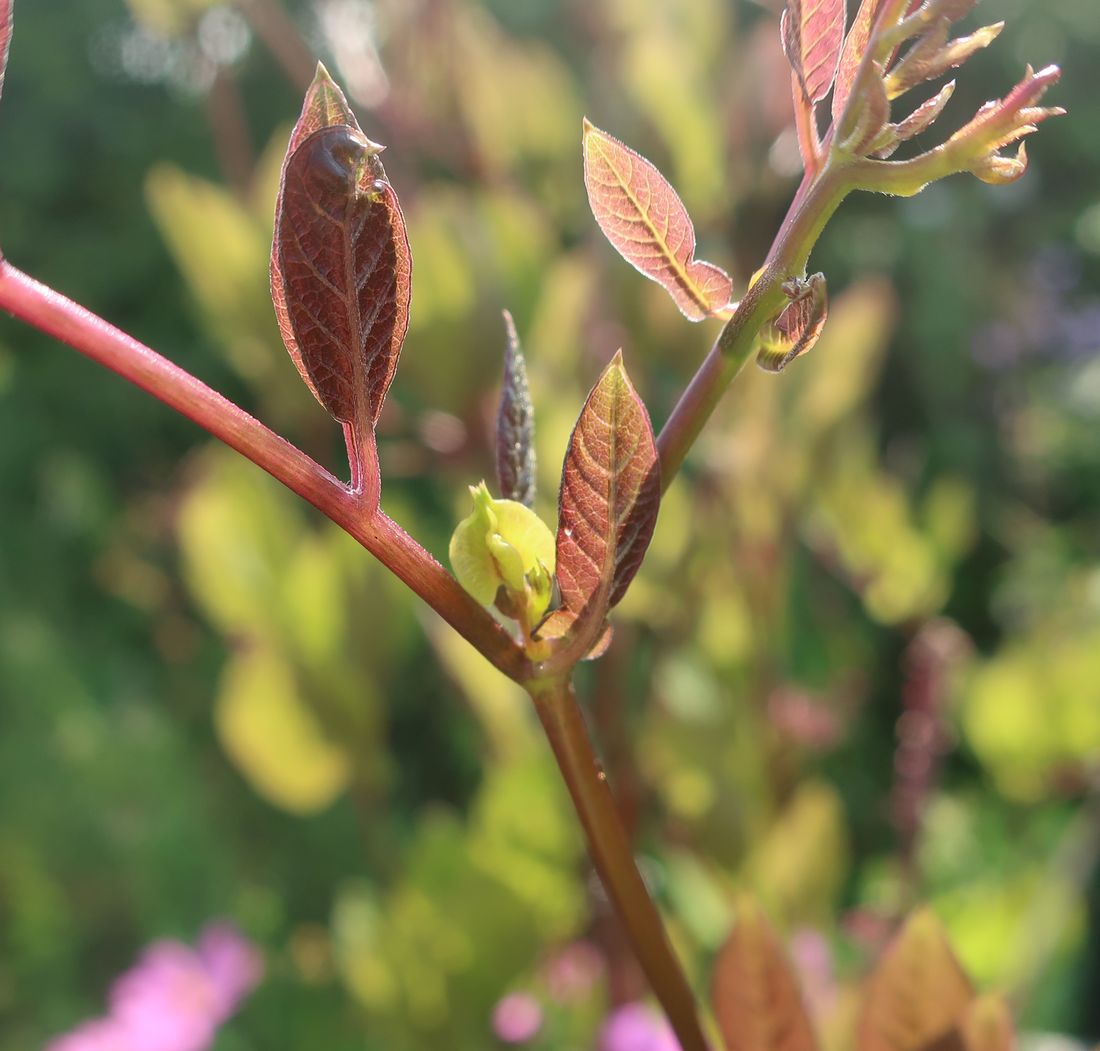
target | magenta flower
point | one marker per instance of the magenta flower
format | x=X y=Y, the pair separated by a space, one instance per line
x=637 y=1027
x=174 y=998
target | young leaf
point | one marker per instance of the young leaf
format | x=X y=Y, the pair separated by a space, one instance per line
x=345 y=265
x=798 y=326
x=647 y=223
x=757 y=1002
x=610 y=493
x=324 y=106
x=813 y=33
x=6 y=14
x=987 y=1025
x=918 y=994
x=516 y=464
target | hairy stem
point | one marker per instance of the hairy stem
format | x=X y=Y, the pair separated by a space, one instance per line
x=52 y=313
x=613 y=858
x=817 y=199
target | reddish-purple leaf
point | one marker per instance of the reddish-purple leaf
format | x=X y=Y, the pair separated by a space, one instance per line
x=798 y=326
x=324 y=106
x=855 y=47
x=813 y=34
x=345 y=265
x=757 y=1002
x=647 y=223
x=855 y=44
x=516 y=465
x=610 y=493
x=6 y=13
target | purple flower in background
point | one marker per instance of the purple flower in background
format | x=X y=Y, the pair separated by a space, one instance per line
x=636 y=1027
x=175 y=996
x=517 y=1018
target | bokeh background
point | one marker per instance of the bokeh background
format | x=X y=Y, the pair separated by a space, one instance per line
x=860 y=668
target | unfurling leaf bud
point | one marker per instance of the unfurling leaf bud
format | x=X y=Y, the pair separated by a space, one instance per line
x=999 y=124
x=797 y=327
x=516 y=466
x=503 y=554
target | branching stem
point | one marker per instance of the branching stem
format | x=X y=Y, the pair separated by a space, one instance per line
x=52 y=313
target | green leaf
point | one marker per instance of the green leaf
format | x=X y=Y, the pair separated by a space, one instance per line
x=273 y=738
x=610 y=495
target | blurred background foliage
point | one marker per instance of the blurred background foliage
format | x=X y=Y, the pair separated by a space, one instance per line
x=860 y=668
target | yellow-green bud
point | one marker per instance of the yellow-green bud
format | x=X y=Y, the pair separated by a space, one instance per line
x=503 y=544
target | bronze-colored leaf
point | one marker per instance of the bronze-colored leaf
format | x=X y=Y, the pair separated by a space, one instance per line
x=646 y=222
x=813 y=33
x=345 y=265
x=988 y=1026
x=755 y=994
x=324 y=106
x=798 y=326
x=918 y=995
x=610 y=493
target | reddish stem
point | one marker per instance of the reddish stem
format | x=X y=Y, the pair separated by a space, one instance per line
x=52 y=313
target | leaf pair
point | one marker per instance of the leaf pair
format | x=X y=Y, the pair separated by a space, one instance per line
x=341 y=269
x=918 y=998
x=609 y=497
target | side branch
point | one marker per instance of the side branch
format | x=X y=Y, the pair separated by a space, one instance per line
x=57 y=316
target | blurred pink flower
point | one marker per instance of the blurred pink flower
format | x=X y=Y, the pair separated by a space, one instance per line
x=573 y=973
x=517 y=1018
x=174 y=997
x=637 y=1027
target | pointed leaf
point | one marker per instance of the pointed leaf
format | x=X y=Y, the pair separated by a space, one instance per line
x=813 y=34
x=757 y=1001
x=324 y=106
x=798 y=326
x=345 y=265
x=516 y=465
x=6 y=16
x=918 y=994
x=988 y=1026
x=610 y=493
x=647 y=223
x=855 y=44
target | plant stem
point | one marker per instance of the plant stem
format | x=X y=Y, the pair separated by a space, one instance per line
x=817 y=199
x=52 y=313
x=613 y=858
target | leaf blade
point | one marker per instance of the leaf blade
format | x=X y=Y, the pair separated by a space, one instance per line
x=918 y=994
x=515 y=434
x=324 y=106
x=813 y=36
x=757 y=1001
x=343 y=256
x=609 y=498
x=7 y=16
x=646 y=222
